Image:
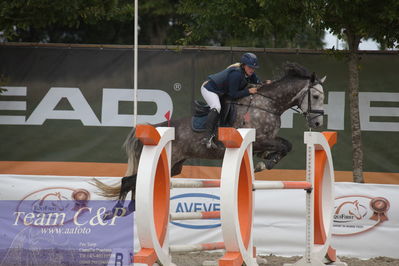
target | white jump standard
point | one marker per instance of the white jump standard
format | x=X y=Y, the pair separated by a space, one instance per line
x=153 y=195
x=237 y=205
x=153 y=198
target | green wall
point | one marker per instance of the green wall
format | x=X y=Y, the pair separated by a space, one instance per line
x=180 y=74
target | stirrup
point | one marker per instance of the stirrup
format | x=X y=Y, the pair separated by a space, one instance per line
x=209 y=143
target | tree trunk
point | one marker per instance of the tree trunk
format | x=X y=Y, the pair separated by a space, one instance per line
x=357 y=149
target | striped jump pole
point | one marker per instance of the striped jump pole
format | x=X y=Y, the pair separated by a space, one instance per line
x=282 y=185
x=194 y=215
x=197 y=247
x=175 y=183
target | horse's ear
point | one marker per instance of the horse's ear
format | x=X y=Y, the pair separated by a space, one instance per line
x=323 y=79
x=313 y=77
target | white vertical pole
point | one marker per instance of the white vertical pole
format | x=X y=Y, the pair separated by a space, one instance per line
x=310 y=157
x=136 y=39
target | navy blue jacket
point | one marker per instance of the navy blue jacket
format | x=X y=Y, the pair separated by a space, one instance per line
x=231 y=81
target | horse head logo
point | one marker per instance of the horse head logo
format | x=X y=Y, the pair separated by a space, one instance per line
x=50 y=202
x=351 y=210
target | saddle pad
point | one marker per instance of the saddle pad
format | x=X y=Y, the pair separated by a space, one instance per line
x=198 y=123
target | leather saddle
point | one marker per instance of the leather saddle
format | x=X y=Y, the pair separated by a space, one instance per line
x=201 y=110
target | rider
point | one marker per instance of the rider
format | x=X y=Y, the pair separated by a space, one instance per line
x=232 y=82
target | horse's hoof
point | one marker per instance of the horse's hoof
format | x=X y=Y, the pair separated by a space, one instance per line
x=260 y=166
x=108 y=215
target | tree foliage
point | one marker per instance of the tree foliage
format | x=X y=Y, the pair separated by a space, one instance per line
x=55 y=21
x=159 y=22
x=355 y=20
x=260 y=23
x=89 y=21
x=221 y=22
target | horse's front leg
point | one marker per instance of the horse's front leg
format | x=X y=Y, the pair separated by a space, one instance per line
x=275 y=149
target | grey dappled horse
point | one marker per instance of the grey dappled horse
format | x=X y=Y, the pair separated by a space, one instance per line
x=261 y=111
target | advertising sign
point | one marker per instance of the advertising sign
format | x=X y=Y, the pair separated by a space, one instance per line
x=59 y=225
x=76 y=103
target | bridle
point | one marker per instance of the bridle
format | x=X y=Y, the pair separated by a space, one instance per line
x=309 y=109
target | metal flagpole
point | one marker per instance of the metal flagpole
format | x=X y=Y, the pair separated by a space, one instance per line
x=136 y=38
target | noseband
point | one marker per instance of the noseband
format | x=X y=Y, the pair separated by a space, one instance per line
x=310 y=110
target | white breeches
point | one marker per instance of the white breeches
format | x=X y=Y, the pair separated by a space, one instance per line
x=211 y=98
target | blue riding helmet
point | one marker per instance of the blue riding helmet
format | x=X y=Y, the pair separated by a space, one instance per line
x=250 y=60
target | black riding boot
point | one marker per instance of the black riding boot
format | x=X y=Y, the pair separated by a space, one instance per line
x=210 y=125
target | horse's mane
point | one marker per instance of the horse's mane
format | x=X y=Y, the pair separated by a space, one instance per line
x=290 y=72
x=295 y=70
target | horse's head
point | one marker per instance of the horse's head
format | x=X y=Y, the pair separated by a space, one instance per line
x=311 y=101
x=298 y=87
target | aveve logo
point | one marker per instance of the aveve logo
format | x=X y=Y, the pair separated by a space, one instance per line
x=355 y=214
x=196 y=202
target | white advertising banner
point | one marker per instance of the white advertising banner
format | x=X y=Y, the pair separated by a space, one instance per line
x=366 y=217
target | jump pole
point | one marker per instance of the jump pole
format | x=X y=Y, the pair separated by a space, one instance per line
x=194 y=183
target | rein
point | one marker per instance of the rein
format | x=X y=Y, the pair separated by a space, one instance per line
x=300 y=111
x=253 y=106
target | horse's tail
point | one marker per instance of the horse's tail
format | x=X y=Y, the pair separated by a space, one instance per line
x=133 y=148
x=106 y=190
